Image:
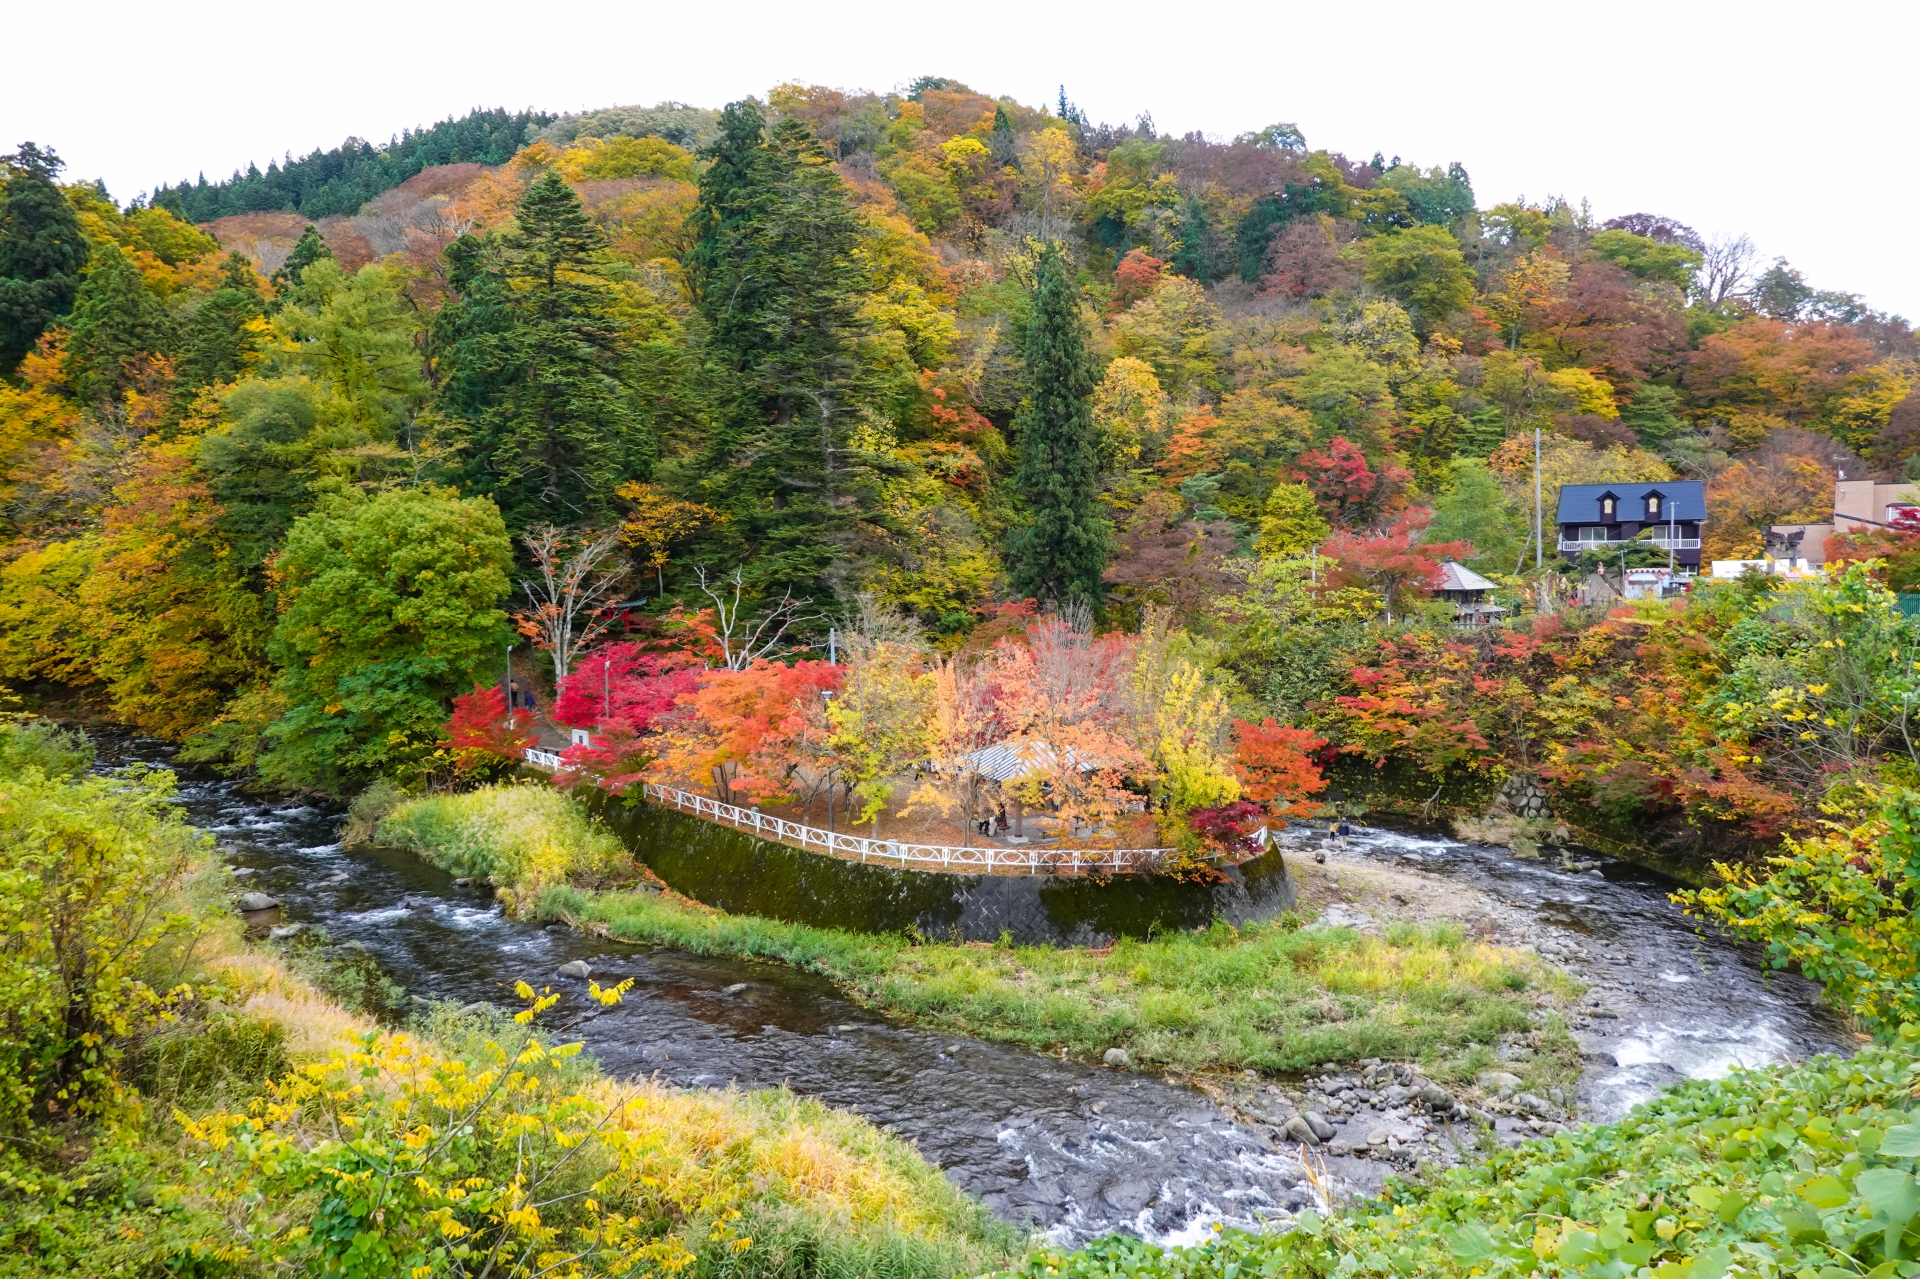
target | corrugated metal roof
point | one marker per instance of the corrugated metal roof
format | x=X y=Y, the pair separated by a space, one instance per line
x=1458 y=577
x=1580 y=503
x=1009 y=760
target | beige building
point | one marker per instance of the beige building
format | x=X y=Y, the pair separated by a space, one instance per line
x=1858 y=506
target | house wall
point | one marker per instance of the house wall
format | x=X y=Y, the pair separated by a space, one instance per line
x=1857 y=500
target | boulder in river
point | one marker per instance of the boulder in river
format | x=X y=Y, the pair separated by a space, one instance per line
x=257 y=901
x=286 y=931
x=1534 y=1105
x=576 y=968
x=1436 y=1097
x=1301 y=1131
x=734 y=989
x=1115 y=1057
x=1318 y=1122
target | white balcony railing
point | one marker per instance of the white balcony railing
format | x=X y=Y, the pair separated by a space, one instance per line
x=1576 y=545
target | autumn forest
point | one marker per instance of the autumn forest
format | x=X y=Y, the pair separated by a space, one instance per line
x=931 y=353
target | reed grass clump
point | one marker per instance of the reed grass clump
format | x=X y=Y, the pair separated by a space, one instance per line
x=524 y=837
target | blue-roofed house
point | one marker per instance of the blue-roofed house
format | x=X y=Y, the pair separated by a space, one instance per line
x=1595 y=515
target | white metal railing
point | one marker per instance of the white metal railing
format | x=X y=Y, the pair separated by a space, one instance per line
x=988 y=859
x=1663 y=543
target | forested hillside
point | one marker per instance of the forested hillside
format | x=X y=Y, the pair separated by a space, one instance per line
x=937 y=350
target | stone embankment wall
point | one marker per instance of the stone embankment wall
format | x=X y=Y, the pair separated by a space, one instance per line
x=737 y=872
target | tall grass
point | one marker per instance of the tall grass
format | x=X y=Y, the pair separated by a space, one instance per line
x=524 y=837
x=1269 y=996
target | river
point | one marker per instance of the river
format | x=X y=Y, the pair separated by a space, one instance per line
x=1075 y=1150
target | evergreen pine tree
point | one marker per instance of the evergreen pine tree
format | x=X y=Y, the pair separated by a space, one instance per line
x=1193 y=258
x=1062 y=551
x=215 y=342
x=780 y=290
x=42 y=251
x=1005 y=148
x=733 y=163
x=538 y=355
x=310 y=248
x=118 y=325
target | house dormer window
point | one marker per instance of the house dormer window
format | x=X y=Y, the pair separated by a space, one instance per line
x=1653 y=506
x=1606 y=508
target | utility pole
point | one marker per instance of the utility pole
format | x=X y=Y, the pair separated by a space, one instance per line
x=1539 y=551
x=1539 y=532
x=506 y=686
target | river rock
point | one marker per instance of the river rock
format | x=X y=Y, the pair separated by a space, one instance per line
x=478 y=1006
x=464 y=881
x=257 y=901
x=1394 y=1095
x=285 y=931
x=1115 y=1057
x=244 y=872
x=579 y=968
x=1534 y=1105
x=1436 y=1097
x=734 y=989
x=1298 y=1129
x=1500 y=1083
x=1318 y=1122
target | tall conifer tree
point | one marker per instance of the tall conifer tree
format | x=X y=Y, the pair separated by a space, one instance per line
x=1062 y=551
x=118 y=325
x=42 y=250
x=215 y=341
x=780 y=289
x=537 y=363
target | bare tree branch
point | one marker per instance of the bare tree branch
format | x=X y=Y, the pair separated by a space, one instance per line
x=568 y=601
x=744 y=640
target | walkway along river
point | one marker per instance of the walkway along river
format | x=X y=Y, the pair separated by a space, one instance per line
x=1076 y=1150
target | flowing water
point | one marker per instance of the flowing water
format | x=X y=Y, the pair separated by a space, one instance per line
x=1669 y=998
x=1074 y=1150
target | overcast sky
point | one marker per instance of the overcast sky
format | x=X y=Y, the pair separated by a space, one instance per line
x=1795 y=124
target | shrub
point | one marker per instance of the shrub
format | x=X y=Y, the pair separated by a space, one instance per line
x=394 y=1156
x=1843 y=907
x=94 y=908
x=43 y=744
x=523 y=836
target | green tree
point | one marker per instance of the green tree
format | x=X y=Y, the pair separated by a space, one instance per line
x=1062 y=551
x=1475 y=509
x=118 y=326
x=780 y=288
x=263 y=463
x=216 y=341
x=357 y=337
x=42 y=251
x=1651 y=415
x=539 y=366
x=390 y=607
x=1291 y=524
x=1649 y=259
x=307 y=250
x=1421 y=267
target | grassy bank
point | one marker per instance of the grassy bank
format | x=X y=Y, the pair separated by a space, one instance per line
x=1804 y=1172
x=217 y=1115
x=1267 y=996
